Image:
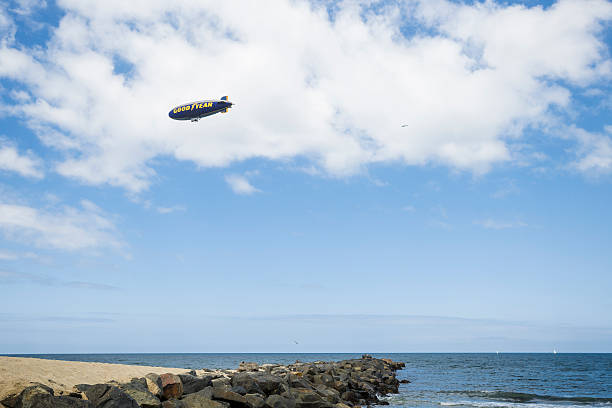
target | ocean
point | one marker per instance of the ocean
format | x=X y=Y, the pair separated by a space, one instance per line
x=439 y=379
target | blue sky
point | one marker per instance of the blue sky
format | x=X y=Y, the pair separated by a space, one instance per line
x=307 y=212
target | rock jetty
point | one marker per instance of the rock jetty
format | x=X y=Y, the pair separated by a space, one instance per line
x=342 y=384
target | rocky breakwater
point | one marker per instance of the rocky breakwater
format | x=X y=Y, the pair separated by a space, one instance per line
x=342 y=384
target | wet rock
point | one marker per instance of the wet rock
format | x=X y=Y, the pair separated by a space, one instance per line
x=172 y=387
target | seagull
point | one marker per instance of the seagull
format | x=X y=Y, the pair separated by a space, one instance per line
x=295 y=342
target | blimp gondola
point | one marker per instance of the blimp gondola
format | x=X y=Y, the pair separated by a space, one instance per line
x=195 y=111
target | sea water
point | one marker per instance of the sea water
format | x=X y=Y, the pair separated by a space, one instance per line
x=436 y=379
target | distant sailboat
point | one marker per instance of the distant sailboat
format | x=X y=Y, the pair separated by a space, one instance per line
x=554 y=351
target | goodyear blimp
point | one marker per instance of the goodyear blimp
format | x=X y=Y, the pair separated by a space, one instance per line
x=194 y=111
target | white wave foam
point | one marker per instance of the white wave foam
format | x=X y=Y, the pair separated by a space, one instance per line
x=501 y=404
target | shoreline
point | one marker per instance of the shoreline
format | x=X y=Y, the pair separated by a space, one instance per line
x=35 y=382
x=63 y=375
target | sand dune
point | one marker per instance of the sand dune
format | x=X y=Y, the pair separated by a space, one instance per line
x=17 y=372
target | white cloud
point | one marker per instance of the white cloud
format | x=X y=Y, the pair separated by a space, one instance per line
x=26 y=7
x=68 y=228
x=595 y=151
x=240 y=184
x=26 y=165
x=169 y=210
x=7 y=26
x=490 y=223
x=335 y=92
x=13 y=256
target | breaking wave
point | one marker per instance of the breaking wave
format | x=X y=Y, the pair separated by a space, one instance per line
x=521 y=397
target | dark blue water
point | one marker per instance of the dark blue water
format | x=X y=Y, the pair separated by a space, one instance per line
x=459 y=380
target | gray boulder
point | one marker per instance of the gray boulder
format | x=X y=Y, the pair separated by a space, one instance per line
x=36 y=391
x=140 y=393
x=277 y=401
x=41 y=396
x=107 y=396
x=221 y=382
x=173 y=403
x=246 y=366
x=297 y=382
x=307 y=398
x=270 y=384
x=193 y=384
x=328 y=394
x=235 y=400
x=239 y=390
x=255 y=400
x=202 y=399
x=246 y=381
x=323 y=379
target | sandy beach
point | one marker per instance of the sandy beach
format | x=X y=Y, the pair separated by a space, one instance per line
x=17 y=372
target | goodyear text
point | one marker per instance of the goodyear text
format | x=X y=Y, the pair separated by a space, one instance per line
x=192 y=107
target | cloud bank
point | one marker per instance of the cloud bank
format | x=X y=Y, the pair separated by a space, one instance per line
x=67 y=228
x=333 y=89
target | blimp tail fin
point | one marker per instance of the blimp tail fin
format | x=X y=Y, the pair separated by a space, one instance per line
x=224 y=98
